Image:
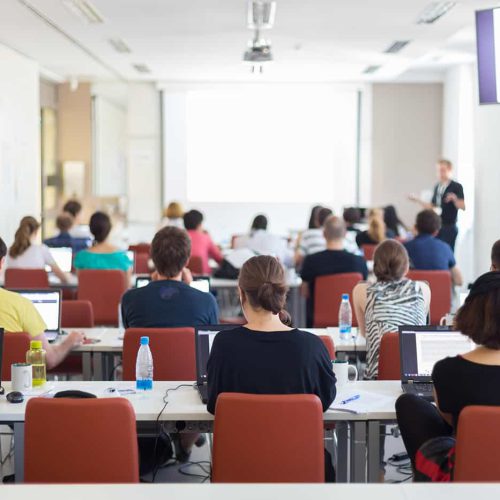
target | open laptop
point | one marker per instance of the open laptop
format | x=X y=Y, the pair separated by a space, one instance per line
x=420 y=348
x=63 y=257
x=48 y=304
x=201 y=283
x=141 y=281
x=204 y=338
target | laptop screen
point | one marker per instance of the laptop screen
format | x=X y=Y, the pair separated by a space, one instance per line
x=204 y=336
x=63 y=257
x=48 y=304
x=201 y=283
x=142 y=281
x=422 y=347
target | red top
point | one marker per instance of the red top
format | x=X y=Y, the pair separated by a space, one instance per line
x=203 y=246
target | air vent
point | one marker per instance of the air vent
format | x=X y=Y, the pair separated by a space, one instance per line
x=84 y=10
x=397 y=46
x=371 y=69
x=434 y=11
x=141 y=68
x=260 y=14
x=119 y=45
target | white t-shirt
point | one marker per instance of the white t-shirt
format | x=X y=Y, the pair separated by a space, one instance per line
x=34 y=257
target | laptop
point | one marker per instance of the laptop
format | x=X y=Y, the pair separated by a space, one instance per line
x=141 y=281
x=420 y=348
x=204 y=338
x=48 y=304
x=201 y=283
x=63 y=257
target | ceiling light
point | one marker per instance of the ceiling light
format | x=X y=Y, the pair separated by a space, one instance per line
x=260 y=14
x=119 y=45
x=141 y=68
x=434 y=11
x=84 y=10
x=369 y=70
x=396 y=46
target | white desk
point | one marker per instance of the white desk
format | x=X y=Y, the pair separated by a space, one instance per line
x=252 y=491
x=186 y=412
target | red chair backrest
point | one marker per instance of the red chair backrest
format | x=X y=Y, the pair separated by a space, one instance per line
x=173 y=350
x=15 y=346
x=140 y=248
x=368 y=251
x=440 y=285
x=478 y=442
x=278 y=429
x=104 y=289
x=195 y=264
x=77 y=314
x=80 y=441
x=141 y=263
x=330 y=346
x=26 y=278
x=389 y=362
x=328 y=292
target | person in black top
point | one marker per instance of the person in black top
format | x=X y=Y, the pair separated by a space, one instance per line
x=448 y=199
x=495 y=256
x=470 y=379
x=333 y=260
x=267 y=356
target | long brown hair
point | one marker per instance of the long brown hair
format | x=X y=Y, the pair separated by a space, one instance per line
x=22 y=239
x=376 y=225
x=262 y=283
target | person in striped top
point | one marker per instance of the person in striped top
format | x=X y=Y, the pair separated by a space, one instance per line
x=390 y=302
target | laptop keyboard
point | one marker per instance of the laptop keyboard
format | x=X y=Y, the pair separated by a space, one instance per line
x=422 y=387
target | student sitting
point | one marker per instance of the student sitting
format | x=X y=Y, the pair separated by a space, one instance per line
x=495 y=256
x=312 y=240
x=201 y=244
x=393 y=223
x=377 y=230
x=173 y=215
x=390 y=302
x=78 y=229
x=18 y=314
x=64 y=223
x=352 y=217
x=261 y=242
x=426 y=252
x=333 y=260
x=25 y=253
x=102 y=255
x=168 y=301
x=460 y=381
x=266 y=356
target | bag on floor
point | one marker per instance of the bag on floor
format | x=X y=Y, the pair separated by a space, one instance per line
x=435 y=460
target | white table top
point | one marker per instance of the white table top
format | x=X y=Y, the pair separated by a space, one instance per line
x=185 y=403
x=408 y=491
x=111 y=339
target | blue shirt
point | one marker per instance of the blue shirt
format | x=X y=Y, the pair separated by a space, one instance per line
x=430 y=254
x=66 y=240
x=92 y=260
x=168 y=304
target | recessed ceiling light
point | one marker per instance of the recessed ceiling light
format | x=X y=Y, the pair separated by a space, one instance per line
x=396 y=46
x=369 y=70
x=434 y=11
x=119 y=45
x=141 y=68
x=84 y=10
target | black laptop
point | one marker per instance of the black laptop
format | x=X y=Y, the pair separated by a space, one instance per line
x=420 y=348
x=204 y=337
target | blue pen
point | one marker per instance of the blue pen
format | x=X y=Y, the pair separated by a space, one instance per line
x=353 y=398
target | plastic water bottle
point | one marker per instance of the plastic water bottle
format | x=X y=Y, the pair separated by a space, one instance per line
x=345 y=318
x=144 y=367
x=36 y=358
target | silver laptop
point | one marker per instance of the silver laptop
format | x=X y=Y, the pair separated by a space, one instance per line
x=63 y=257
x=48 y=304
x=421 y=347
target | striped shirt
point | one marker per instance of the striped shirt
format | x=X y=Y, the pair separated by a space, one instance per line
x=312 y=241
x=388 y=306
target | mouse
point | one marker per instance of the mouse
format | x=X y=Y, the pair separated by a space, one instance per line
x=15 y=397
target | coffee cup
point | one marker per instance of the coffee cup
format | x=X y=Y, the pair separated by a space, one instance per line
x=341 y=369
x=21 y=376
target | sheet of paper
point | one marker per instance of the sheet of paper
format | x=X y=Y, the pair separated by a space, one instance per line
x=366 y=402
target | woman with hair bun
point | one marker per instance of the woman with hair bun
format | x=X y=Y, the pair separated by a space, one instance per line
x=267 y=355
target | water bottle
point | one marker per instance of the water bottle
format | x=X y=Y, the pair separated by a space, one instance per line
x=144 y=367
x=345 y=318
x=36 y=358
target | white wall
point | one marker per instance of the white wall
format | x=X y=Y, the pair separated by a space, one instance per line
x=20 y=174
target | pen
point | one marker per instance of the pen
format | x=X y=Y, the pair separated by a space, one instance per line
x=348 y=400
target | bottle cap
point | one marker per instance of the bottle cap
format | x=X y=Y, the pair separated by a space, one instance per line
x=345 y=296
x=36 y=344
x=144 y=340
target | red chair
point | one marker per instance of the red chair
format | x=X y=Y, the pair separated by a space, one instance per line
x=104 y=289
x=15 y=346
x=277 y=430
x=80 y=441
x=440 y=285
x=195 y=264
x=140 y=248
x=330 y=346
x=478 y=441
x=368 y=251
x=389 y=364
x=141 y=263
x=26 y=278
x=173 y=349
x=328 y=292
x=77 y=314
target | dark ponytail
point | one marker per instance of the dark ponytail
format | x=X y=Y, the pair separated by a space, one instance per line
x=22 y=239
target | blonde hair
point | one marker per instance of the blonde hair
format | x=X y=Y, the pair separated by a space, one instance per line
x=173 y=211
x=376 y=225
x=22 y=239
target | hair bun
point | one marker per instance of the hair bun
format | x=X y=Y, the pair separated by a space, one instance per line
x=268 y=297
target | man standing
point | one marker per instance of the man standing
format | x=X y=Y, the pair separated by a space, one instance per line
x=447 y=200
